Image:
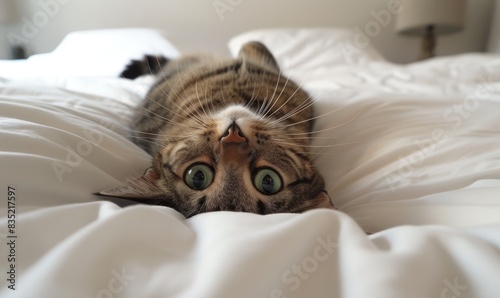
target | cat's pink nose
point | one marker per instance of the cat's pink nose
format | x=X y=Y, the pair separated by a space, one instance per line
x=233 y=135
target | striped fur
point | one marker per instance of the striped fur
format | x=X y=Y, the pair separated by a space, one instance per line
x=195 y=104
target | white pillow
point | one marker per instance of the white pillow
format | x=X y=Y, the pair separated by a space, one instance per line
x=101 y=52
x=309 y=48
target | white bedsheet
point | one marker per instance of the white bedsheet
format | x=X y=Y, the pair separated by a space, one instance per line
x=434 y=209
x=100 y=250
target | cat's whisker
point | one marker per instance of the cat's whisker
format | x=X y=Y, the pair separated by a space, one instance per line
x=319 y=146
x=325 y=129
x=172 y=101
x=304 y=105
x=263 y=104
x=321 y=152
x=149 y=135
x=146 y=141
x=252 y=97
x=146 y=113
x=299 y=108
x=261 y=100
x=199 y=101
x=196 y=116
x=151 y=71
x=322 y=115
x=167 y=109
x=224 y=98
x=137 y=134
x=149 y=117
x=153 y=135
x=172 y=89
x=211 y=109
x=163 y=134
x=299 y=87
x=272 y=100
x=303 y=138
x=176 y=138
x=316 y=154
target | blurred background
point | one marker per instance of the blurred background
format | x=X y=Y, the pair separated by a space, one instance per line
x=207 y=25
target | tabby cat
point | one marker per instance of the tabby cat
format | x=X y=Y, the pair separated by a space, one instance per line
x=225 y=135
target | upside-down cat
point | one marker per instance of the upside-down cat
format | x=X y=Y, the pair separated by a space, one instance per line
x=228 y=135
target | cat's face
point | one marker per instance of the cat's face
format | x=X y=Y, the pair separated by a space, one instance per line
x=227 y=137
x=236 y=161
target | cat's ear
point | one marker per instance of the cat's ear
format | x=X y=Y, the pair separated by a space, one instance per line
x=258 y=53
x=321 y=200
x=142 y=188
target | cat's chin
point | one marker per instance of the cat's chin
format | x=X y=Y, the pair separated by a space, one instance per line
x=235 y=114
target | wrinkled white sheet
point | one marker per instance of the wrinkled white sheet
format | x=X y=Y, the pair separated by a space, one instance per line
x=101 y=250
x=433 y=208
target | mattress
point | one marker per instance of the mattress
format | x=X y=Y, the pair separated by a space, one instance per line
x=409 y=154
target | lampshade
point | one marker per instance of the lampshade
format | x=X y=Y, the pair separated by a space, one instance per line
x=9 y=13
x=447 y=16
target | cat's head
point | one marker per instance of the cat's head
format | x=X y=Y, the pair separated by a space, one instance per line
x=232 y=157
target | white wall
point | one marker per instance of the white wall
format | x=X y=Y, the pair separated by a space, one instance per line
x=494 y=40
x=4 y=45
x=195 y=25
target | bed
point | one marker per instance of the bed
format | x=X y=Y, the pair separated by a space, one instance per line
x=410 y=155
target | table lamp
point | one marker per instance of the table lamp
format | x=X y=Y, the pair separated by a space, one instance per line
x=429 y=18
x=9 y=14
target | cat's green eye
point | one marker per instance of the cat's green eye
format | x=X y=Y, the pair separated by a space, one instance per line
x=267 y=181
x=199 y=176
